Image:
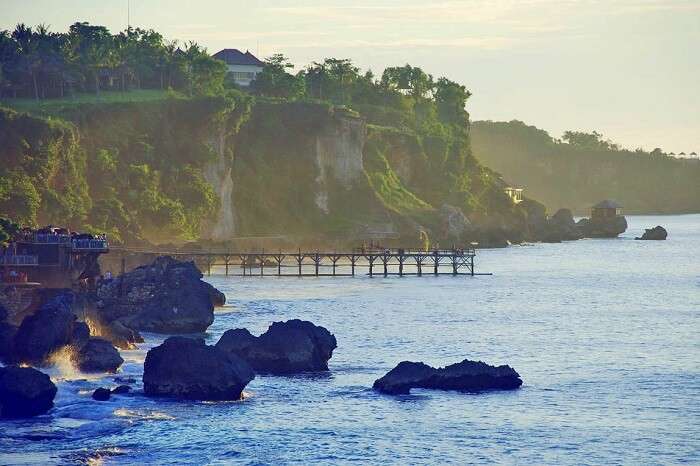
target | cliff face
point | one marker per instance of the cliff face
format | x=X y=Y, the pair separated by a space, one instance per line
x=338 y=150
x=218 y=173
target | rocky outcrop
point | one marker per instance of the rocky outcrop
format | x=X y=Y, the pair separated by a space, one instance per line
x=25 y=392
x=47 y=330
x=285 y=348
x=97 y=355
x=466 y=376
x=218 y=299
x=189 y=369
x=609 y=227
x=658 y=233
x=338 y=151
x=561 y=227
x=167 y=296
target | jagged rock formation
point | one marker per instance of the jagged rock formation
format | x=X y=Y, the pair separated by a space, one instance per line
x=658 y=233
x=285 y=348
x=167 y=296
x=25 y=392
x=189 y=369
x=468 y=376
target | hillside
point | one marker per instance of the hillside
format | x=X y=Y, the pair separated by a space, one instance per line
x=585 y=169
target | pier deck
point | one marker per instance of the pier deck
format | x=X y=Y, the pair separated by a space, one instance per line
x=385 y=262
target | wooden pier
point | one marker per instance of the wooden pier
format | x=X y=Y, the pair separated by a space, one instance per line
x=384 y=262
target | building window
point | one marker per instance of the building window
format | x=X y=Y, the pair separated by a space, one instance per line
x=243 y=75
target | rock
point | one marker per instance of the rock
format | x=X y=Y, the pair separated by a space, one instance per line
x=25 y=392
x=468 y=376
x=285 y=348
x=47 y=330
x=97 y=355
x=658 y=233
x=562 y=226
x=189 y=369
x=167 y=296
x=124 y=380
x=602 y=228
x=7 y=337
x=101 y=394
x=218 y=299
x=81 y=335
x=4 y=313
x=121 y=390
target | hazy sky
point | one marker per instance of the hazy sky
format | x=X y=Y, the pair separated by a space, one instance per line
x=628 y=68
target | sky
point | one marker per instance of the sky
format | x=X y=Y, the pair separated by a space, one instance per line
x=629 y=69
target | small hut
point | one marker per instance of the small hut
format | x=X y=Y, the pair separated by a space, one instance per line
x=606 y=209
x=515 y=194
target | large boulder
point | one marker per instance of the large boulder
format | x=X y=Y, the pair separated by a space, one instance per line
x=189 y=369
x=101 y=394
x=285 y=348
x=658 y=233
x=97 y=355
x=467 y=376
x=609 y=227
x=167 y=296
x=24 y=392
x=45 y=331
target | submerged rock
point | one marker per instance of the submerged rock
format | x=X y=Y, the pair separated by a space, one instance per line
x=25 y=392
x=189 y=369
x=658 y=233
x=47 y=330
x=285 y=348
x=167 y=296
x=101 y=394
x=97 y=355
x=467 y=376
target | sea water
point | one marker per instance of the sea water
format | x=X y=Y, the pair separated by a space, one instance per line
x=605 y=334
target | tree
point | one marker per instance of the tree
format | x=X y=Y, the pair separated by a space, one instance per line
x=92 y=47
x=451 y=98
x=275 y=81
x=407 y=78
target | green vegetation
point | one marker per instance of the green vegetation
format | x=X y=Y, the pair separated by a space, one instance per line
x=583 y=169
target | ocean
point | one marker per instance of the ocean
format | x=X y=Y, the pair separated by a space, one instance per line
x=605 y=334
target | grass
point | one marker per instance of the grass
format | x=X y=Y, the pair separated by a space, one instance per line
x=49 y=106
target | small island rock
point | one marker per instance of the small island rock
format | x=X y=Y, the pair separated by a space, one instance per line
x=285 y=348
x=25 y=392
x=467 y=376
x=658 y=233
x=189 y=369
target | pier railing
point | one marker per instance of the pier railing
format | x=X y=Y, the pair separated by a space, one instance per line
x=384 y=262
x=19 y=259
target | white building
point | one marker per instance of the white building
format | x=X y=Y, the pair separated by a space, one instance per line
x=242 y=66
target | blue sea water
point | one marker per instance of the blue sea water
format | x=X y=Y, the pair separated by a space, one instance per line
x=605 y=334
